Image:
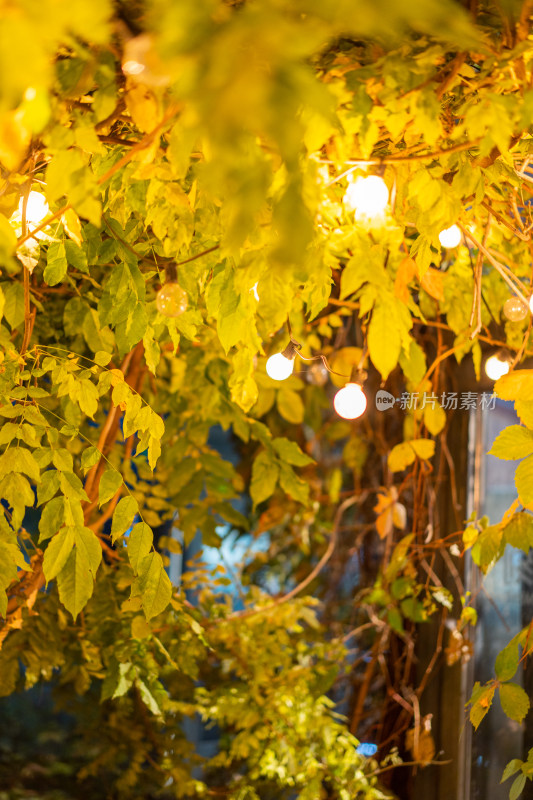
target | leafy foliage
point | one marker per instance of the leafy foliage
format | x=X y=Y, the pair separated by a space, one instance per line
x=221 y=140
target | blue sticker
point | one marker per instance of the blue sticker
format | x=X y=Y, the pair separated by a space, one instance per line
x=367 y=749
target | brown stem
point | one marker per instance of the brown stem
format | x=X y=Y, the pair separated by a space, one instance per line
x=314 y=572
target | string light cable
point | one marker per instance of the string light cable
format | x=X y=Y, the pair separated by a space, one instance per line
x=350 y=402
x=171 y=300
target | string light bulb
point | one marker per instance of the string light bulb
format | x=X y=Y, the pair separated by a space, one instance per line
x=171 y=300
x=142 y=62
x=515 y=309
x=317 y=374
x=450 y=237
x=36 y=211
x=498 y=365
x=281 y=365
x=350 y=401
x=367 y=196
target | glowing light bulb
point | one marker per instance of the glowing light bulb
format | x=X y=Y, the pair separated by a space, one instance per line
x=350 y=401
x=368 y=197
x=515 y=309
x=450 y=237
x=141 y=59
x=498 y=365
x=36 y=209
x=133 y=67
x=317 y=374
x=279 y=367
x=171 y=300
x=531 y=303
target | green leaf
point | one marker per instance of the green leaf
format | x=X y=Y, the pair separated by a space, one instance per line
x=90 y=548
x=76 y=256
x=265 y=473
x=123 y=516
x=56 y=264
x=154 y=584
x=48 y=486
x=519 y=531
x=294 y=486
x=75 y=582
x=90 y=456
x=507 y=661
x=480 y=701
x=16 y=489
x=102 y=358
x=10 y=559
x=88 y=398
x=517 y=787
x=14 y=304
x=514 y=700
x=139 y=544
x=510 y=769
x=52 y=518
x=513 y=442
x=110 y=483
x=62 y=460
x=57 y=552
x=290 y=406
x=19 y=459
x=148 y=698
x=71 y=486
x=289 y=451
x=488 y=547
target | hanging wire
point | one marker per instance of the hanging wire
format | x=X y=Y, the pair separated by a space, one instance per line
x=357 y=368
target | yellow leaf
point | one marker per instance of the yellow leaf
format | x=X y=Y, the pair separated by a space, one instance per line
x=434 y=419
x=470 y=535
x=422 y=746
x=516 y=385
x=342 y=362
x=399 y=516
x=384 y=339
x=405 y=274
x=15 y=138
x=400 y=457
x=433 y=283
x=72 y=225
x=142 y=105
x=384 y=524
x=424 y=448
x=390 y=513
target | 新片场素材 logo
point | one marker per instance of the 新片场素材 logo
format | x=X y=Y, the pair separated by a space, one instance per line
x=384 y=400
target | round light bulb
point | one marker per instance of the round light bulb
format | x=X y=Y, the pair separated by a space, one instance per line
x=368 y=197
x=279 y=367
x=317 y=374
x=450 y=237
x=515 y=309
x=171 y=300
x=496 y=366
x=36 y=211
x=133 y=67
x=350 y=401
